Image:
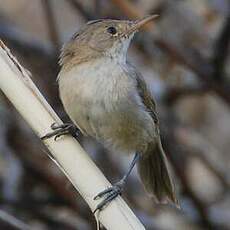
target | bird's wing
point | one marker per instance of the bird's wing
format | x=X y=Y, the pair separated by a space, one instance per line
x=162 y=187
x=145 y=95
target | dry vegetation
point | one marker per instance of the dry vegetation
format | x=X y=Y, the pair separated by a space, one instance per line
x=185 y=60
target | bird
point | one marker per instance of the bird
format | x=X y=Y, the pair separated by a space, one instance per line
x=108 y=99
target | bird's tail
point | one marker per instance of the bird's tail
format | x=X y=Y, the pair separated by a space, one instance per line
x=155 y=175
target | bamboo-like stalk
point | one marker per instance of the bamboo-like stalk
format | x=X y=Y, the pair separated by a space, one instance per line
x=68 y=154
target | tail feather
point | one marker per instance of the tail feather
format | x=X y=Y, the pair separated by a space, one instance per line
x=155 y=175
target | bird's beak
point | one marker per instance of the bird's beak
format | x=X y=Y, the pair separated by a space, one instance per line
x=135 y=25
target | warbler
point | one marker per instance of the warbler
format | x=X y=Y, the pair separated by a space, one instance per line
x=108 y=99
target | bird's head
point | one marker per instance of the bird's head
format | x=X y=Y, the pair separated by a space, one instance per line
x=103 y=37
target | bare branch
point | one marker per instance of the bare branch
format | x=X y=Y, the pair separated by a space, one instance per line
x=11 y=222
x=221 y=50
x=85 y=13
x=51 y=23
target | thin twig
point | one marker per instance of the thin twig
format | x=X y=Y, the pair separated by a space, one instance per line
x=12 y=222
x=52 y=25
x=221 y=51
x=84 y=12
x=203 y=70
x=177 y=155
x=174 y=94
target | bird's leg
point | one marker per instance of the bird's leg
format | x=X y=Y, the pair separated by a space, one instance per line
x=60 y=130
x=112 y=192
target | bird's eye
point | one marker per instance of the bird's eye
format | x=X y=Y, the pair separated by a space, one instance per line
x=112 y=30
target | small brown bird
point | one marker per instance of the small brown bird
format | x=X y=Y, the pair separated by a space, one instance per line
x=106 y=98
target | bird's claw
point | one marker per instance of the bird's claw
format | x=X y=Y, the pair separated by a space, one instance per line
x=60 y=130
x=108 y=194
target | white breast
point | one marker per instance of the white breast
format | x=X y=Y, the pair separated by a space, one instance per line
x=102 y=99
x=98 y=81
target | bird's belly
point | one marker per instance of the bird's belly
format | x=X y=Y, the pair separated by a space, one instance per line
x=125 y=128
x=126 y=132
x=107 y=106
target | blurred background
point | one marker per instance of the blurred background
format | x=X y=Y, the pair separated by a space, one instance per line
x=185 y=60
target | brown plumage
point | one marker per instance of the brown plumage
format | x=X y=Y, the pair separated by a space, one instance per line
x=109 y=100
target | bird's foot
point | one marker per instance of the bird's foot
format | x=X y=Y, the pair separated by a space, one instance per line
x=108 y=195
x=60 y=130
